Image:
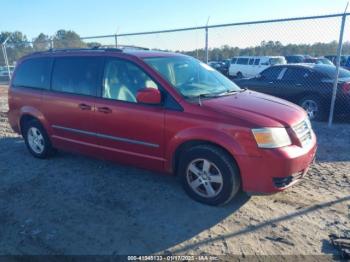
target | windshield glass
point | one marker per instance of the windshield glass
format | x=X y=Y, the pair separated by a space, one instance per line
x=191 y=77
x=330 y=71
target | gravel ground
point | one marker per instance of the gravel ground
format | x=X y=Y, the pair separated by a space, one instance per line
x=72 y=204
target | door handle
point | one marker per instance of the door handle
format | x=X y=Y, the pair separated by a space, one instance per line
x=84 y=107
x=105 y=110
x=271 y=82
x=298 y=84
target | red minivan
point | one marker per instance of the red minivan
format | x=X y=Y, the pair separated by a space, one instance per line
x=161 y=111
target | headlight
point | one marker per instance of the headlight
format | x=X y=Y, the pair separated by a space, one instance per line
x=271 y=137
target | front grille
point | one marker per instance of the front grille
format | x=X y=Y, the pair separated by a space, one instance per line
x=303 y=132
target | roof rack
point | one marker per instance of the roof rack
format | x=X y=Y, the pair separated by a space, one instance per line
x=133 y=47
x=97 y=48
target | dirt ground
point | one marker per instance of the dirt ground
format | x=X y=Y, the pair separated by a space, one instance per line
x=72 y=204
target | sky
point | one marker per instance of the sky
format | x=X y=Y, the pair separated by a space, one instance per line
x=90 y=18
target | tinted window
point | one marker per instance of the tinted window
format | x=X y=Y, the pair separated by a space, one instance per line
x=257 y=61
x=78 y=75
x=33 y=73
x=331 y=70
x=271 y=73
x=251 y=61
x=242 y=61
x=296 y=74
x=234 y=60
x=123 y=79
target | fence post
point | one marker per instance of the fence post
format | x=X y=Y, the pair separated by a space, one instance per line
x=116 y=40
x=335 y=84
x=206 y=46
x=4 y=51
x=51 y=43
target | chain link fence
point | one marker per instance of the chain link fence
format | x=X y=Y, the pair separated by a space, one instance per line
x=304 y=60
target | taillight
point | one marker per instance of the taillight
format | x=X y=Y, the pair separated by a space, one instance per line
x=346 y=88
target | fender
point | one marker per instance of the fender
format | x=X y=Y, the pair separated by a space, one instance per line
x=31 y=111
x=219 y=137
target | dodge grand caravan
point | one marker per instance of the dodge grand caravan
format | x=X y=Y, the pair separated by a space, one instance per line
x=161 y=111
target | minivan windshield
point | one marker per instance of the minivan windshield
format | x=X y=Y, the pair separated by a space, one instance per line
x=192 y=78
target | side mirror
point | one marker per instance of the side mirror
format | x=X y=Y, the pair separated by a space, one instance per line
x=150 y=96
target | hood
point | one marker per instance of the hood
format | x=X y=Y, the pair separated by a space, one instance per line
x=258 y=109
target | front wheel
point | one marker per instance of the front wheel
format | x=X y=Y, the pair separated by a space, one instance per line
x=209 y=175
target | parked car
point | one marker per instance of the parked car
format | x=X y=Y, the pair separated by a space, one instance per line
x=249 y=66
x=315 y=60
x=161 y=111
x=308 y=85
x=344 y=59
x=219 y=66
x=295 y=59
x=4 y=75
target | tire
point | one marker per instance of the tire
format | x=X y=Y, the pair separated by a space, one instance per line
x=214 y=182
x=239 y=75
x=313 y=107
x=37 y=140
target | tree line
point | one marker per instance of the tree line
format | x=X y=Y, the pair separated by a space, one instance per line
x=19 y=45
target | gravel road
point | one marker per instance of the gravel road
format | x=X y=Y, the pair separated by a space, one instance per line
x=72 y=204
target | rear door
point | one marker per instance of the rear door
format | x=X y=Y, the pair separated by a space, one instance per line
x=69 y=105
x=128 y=131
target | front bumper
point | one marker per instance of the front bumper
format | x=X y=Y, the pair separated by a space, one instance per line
x=276 y=169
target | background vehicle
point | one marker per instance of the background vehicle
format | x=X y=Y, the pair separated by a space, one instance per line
x=4 y=75
x=315 y=60
x=307 y=85
x=344 y=59
x=294 y=59
x=161 y=111
x=249 y=66
x=219 y=66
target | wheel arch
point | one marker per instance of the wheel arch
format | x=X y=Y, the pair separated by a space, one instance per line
x=30 y=113
x=194 y=137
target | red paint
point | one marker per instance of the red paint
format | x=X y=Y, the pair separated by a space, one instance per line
x=225 y=121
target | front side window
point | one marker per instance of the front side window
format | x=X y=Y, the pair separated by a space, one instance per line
x=77 y=75
x=257 y=61
x=251 y=61
x=295 y=74
x=271 y=73
x=190 y=77
x=242 y=61
x=34 y=73
x=234 y=60
x=122 y=80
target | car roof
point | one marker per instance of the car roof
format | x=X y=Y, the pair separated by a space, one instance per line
x=306 y=66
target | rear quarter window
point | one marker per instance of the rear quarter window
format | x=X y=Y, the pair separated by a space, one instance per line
x=33 y=73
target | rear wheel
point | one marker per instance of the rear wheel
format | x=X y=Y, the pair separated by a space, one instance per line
x=209 y=175
x=37 y=140
x=313 y=107
x=239 y=75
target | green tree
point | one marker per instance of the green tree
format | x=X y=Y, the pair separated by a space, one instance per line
x=41 y=42
x=67 y=39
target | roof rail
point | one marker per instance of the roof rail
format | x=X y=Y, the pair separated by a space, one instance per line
x=133 y=47
x=95 y=48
